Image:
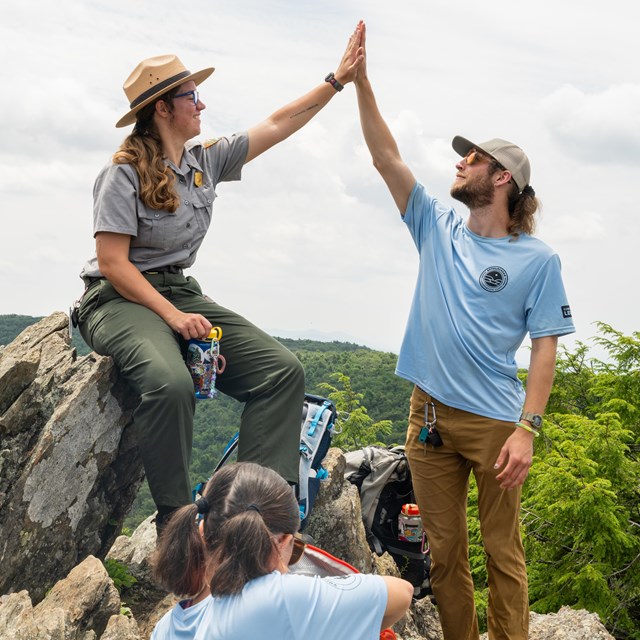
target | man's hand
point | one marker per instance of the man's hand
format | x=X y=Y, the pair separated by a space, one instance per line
x=517 y=455
x=361 y=74
x=353 y=57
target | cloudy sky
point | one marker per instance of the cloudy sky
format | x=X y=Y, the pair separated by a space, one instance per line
x=310 y=243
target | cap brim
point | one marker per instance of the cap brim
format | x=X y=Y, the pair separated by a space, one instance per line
x=197 y=77
x=462 y=146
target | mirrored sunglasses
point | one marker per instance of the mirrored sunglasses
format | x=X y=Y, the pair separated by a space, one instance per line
x=299 y=545
x=474 y=156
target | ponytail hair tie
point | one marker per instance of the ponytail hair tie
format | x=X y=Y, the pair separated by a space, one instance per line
x=203 y=505
x=529 y=191
x=254 y=507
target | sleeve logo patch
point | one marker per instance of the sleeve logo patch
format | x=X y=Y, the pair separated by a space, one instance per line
x=566 y=311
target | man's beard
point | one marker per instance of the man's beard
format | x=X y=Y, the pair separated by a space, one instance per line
x=474 y=193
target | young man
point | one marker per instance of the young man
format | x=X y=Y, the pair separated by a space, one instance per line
x=483 y=285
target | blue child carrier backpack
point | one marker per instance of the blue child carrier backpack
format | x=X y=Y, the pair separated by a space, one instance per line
x=319 y=417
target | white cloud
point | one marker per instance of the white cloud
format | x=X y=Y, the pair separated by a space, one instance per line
x=596 y=127
x=576 y=229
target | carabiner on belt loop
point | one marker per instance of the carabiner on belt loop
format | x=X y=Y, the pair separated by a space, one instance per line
x=428 y=424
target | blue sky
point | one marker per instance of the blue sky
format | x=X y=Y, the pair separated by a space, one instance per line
x=310 y=242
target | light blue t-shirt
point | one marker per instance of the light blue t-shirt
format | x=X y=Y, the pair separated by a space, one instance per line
x=284 y=607
x=475 y=301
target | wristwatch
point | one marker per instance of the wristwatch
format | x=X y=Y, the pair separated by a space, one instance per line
x=534 y=418
x=331 y=79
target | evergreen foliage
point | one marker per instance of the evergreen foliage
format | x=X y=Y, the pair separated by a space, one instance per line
x=581 y=502
x=355 y=429
x=120 y=574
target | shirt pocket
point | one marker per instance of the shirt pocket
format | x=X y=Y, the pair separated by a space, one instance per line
x=203 y=205
x=155 y=227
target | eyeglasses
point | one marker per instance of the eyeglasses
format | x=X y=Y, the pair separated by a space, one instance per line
x=474 y=156
x=195 y=96
x=299 y=545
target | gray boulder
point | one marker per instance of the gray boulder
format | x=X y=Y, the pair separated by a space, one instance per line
x=69 y=467
x=79 y=606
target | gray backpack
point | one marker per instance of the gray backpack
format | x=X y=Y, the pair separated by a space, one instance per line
x=383 y=479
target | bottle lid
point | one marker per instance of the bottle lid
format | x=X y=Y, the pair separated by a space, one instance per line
x=410 y=509
x=215 y=333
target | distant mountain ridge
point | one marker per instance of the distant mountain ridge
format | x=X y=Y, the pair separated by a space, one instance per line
x=13 y=324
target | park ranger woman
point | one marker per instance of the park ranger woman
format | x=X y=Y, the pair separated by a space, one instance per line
x=152 y=208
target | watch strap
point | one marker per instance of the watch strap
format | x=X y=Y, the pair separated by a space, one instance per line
x=534 y=418
x=331 y=79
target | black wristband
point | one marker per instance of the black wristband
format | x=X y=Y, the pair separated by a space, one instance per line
x=331 y=79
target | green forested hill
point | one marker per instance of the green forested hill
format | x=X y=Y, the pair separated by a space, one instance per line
x=12 y=325
x=372 y=374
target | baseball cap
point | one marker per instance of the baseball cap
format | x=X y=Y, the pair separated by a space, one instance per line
x=509 y=155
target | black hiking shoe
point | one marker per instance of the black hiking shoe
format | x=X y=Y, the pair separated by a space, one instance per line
x=162 y=519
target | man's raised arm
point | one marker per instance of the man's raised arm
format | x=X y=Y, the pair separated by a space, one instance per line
x=382 y=146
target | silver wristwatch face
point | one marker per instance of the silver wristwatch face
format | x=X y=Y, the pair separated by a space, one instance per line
x=534 y=418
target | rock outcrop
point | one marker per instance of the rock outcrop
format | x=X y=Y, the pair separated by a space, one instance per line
x=69 y=471
x=82 y=603
x=69 y=467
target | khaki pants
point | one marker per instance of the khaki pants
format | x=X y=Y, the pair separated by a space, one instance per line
x=441 y=479
x=260 y=372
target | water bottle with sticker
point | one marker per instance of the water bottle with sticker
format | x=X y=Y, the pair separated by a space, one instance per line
x=204 y=362
x=409 y=523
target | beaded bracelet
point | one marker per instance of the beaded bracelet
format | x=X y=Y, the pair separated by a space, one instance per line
x=526 y=427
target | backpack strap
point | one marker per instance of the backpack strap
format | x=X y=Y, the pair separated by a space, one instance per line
x=312 y=449
x=316 y=418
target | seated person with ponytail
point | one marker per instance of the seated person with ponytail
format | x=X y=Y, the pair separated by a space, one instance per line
x=233 y=559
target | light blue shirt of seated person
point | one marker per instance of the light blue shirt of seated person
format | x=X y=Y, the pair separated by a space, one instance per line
x=284 y=607
x=475 y=301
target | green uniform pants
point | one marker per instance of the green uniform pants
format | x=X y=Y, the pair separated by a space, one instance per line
x=440 y=480
x=260 y=372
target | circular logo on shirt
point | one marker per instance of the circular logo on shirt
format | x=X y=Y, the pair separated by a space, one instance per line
x=494 y=279
x=345 y=583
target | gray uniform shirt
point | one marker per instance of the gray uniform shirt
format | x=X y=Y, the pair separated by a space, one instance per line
x=160 y=238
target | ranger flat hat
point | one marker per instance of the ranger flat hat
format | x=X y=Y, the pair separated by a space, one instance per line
x=509 y=155
x=153 y=77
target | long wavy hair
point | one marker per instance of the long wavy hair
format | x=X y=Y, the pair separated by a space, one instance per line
x=246 y=507
x=142 y=148
x=522 y=206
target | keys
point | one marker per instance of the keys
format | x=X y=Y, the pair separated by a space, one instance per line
x=429 y=433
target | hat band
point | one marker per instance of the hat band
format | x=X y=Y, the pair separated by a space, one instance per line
x=158 y=88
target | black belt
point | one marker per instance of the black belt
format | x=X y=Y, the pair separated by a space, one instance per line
x=89 y=280
x=168 y=269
